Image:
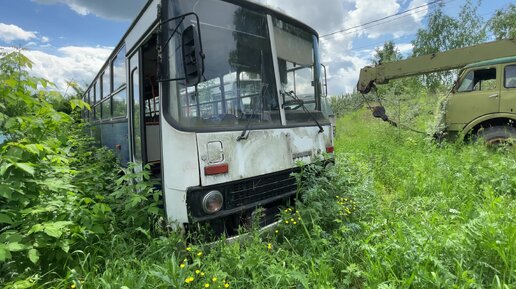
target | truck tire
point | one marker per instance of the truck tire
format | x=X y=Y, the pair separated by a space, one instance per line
x=497 y=135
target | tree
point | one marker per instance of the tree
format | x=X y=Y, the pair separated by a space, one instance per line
x=445 y=32
x=502 y=25
x=388 y=53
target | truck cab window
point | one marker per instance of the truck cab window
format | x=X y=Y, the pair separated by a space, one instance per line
x=510 y=76
x=479 y=80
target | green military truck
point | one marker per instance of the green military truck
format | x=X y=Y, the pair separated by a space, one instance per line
x=482 y=103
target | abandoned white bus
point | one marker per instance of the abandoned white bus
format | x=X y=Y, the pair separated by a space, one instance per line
x=212 y=93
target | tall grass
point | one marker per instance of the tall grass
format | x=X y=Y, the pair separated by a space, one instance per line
x=445 y=212
x=397 y=211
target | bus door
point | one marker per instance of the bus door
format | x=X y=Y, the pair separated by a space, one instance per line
x=145 y=107
x=135 y=111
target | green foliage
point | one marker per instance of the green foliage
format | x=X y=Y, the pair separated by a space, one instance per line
x=396 y=211
x=396 y=88
x=43 y=214
x=404 y=100
x=443 y=217
x=388 y=53
x=502 y=23
x=57 y=194
x=346 y=103
x=135 y=200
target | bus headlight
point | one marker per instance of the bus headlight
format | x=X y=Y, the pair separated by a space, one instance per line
x=212 y=202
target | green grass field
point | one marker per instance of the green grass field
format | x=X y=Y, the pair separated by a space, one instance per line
x=397 y=211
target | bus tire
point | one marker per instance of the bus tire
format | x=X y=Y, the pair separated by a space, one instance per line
x=497 y=135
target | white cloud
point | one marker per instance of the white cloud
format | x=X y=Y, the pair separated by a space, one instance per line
x=44 y=39
x=343 y=74
x=79 y=9
x=405 y=48
x=10 y=33
x=111 y=9
x=395 y=25
x=80 y=64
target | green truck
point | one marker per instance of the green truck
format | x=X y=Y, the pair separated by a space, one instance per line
x=482 y=103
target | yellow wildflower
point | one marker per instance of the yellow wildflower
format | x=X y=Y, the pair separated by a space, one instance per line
x=72 y=286
x=189 y=280
x=214 y=279
x=197 y=271
x=202 y=273
x=226 y=285
x=188 y=249
x=277 y=232
x=269 y=246
x=182 y=265
x=207 y=285
x=199 y=254
x=295 y=223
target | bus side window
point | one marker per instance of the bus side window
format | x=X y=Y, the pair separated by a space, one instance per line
x=106 y=109
x=119 y=72
x=120 y=104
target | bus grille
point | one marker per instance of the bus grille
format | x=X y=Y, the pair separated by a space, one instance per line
x=260 y=189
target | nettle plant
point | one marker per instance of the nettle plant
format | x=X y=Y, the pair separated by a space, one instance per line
x=42 y=213
x=60 y=195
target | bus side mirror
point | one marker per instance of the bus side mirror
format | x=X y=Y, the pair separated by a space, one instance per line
x=193 y=56
x=325 y=80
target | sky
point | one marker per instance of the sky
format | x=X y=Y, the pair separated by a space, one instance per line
x=71 y=39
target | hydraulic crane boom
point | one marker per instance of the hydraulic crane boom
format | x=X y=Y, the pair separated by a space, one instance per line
x=435 y=62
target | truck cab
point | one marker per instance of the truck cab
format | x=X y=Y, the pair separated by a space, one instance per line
x=483 y=101
x=482 y=104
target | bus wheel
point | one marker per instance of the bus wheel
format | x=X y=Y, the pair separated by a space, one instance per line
x=498 y=135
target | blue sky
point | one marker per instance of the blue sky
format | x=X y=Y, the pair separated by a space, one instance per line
x=71 y=39
x=62 y=25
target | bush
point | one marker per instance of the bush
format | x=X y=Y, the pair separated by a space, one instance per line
x=57 y=194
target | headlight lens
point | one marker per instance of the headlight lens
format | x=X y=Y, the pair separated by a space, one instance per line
x=212 y=202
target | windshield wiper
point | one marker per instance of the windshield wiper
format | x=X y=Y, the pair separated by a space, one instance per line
x=293 y=95
x=245 y=132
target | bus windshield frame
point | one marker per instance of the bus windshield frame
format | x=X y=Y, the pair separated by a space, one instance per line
x=239 y=87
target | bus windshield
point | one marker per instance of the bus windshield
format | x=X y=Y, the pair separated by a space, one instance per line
x=238 y=87
x=299 y=71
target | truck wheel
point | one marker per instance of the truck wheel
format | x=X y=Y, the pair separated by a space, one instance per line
x=497 y=135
